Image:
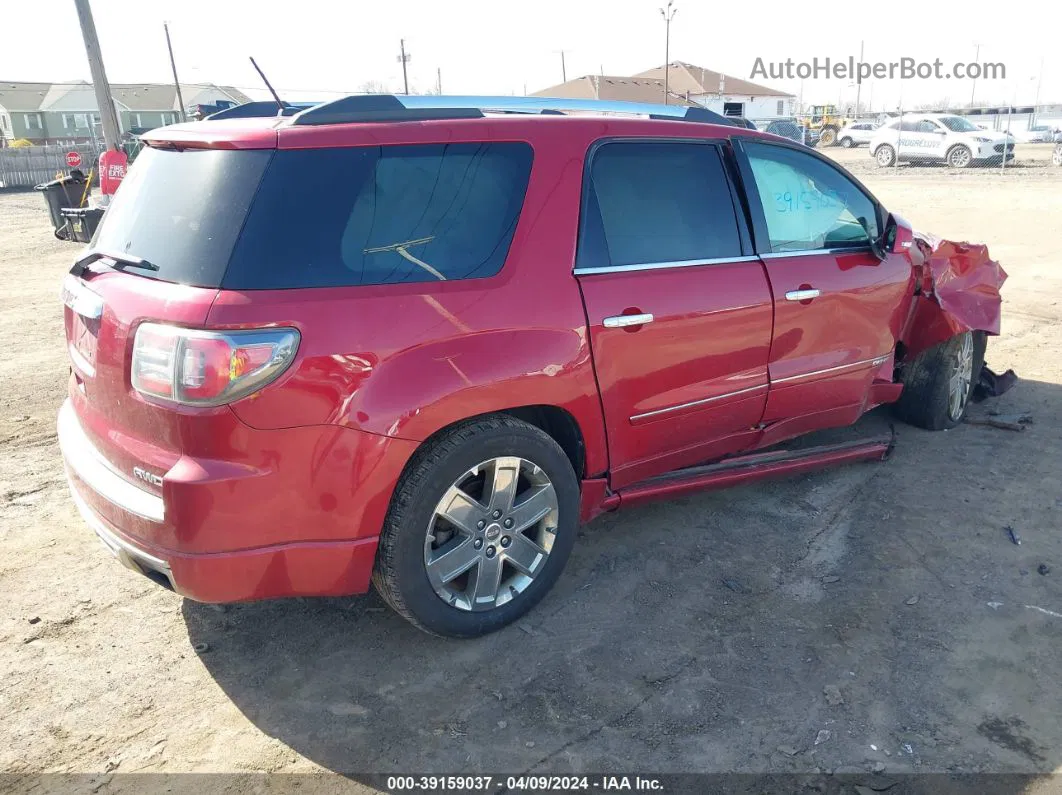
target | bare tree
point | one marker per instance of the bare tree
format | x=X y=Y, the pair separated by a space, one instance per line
x=375 y=87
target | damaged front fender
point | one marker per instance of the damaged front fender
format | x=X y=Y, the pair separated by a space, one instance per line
x=958 y=291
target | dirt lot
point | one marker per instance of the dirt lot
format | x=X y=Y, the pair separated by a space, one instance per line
x=879 y=608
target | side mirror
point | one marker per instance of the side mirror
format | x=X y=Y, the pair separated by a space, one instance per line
x=896 y=238
x=899 y=236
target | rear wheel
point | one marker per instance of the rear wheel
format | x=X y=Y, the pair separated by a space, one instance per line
x=885 y=155
x=938 y=383
x=847 y=143
x=479 y=528
x=1056 y=156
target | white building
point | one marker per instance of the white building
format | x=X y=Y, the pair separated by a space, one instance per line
x=724 y=94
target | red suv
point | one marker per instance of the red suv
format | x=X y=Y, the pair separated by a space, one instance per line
x=416 y=341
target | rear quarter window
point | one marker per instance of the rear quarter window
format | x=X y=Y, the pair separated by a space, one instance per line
x=382 y=215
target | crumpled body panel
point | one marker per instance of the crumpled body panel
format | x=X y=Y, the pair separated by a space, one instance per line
x=959 y=292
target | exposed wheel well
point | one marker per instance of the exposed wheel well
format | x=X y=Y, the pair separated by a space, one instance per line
x=560 y=425
x=555 y=421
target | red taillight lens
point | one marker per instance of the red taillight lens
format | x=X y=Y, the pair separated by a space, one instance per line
x=208 y=368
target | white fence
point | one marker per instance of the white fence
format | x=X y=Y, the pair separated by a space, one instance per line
x=28 y=166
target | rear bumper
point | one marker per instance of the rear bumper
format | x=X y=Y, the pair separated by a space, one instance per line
x=145 y=530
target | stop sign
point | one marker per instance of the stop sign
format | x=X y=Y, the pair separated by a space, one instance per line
x=73 y=159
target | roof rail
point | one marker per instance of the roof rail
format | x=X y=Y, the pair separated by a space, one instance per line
x=262 y=109
x=388 y=107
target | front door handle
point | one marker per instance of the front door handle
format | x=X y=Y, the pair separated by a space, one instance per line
x=622 y=321
x=802 y=295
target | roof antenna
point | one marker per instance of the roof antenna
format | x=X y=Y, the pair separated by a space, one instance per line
x=281 y=104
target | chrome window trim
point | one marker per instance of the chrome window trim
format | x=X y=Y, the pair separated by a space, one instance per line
x=96 y=472
x=702 y=401
x=810 y=251
x=653 y=266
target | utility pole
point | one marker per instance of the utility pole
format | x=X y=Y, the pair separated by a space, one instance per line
x=859 y=79
x=1036 y=104
x=173 y=66
x=668 y=15
x=438 y=79
x=108 y=115
x=404 y=59
x=973 y=85
x=564 y=71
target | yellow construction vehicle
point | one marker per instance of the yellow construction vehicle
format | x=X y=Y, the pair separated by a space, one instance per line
x=827 y=121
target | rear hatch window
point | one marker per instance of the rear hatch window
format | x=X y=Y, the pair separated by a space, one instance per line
x=265 y=219
x=182 y=211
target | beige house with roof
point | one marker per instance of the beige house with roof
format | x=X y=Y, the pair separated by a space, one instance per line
x=686 y=85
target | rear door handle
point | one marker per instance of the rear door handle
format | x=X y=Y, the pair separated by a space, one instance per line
x=622 y=321
x=802 y=295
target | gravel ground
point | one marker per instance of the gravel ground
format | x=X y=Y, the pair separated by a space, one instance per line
x=875 y=616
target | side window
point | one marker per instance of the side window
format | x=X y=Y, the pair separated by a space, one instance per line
x=807 y=203
x=927 y=126
x=651 y=202
x=382 y=215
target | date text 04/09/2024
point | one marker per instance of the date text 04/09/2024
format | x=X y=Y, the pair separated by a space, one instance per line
x=522 y=783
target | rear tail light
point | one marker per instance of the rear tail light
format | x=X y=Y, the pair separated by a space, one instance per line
x=208 y=368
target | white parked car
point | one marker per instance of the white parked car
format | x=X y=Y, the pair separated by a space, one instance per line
x=1037 y=134
x=856 y=133
x=941 y=138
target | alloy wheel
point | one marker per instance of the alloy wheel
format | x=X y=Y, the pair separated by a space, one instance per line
x=961 y=376
x=491 y=534
x=960 y=157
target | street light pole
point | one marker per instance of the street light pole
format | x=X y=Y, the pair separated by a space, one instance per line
x=973 y=85
x=859 y=79
x=668 y=15
x=404 y=59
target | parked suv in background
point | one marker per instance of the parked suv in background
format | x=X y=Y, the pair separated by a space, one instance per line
x=856 y=133
x=793 y=130
x=938 y=137
x=420 y=340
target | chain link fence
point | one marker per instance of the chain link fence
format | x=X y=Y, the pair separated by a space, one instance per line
x=1022 y=140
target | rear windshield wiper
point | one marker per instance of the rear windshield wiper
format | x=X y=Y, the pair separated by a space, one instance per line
x=120 y=260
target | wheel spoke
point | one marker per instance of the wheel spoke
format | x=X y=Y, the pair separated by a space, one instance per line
x=499 y=490
x=525 y=555
x=484 y=582
x=453 y=563
x=539 y=501
x=460 y=510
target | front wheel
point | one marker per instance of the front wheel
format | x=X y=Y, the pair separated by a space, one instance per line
x=960 y=157
x=847 y=143
x=828 y=137
x=938 y=383
x=479 y=529
x=1056 y=156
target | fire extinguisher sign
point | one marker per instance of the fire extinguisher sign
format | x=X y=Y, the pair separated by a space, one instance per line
x=113 y=165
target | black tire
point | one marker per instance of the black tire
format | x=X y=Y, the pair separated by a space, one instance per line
x=847 y=143
x=925 y=400
x=400 y=574
x=885 y=156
